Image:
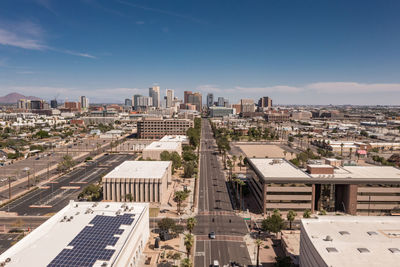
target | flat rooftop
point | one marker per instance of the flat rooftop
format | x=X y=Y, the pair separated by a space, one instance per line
x=277 y=168
x=92 y=234
x=174 y=138
x=139 y=169
x=163 y=146
x=351 y=234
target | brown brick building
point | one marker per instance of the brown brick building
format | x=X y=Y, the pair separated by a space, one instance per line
x=152 y=128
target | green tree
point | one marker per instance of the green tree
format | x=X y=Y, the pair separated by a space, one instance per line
x=186 y=263
x=91 y=192
x=129 y=197
x=165 y=156
x=176 y=160
x=188 y=242
x=189 y=169
x=179 y=197
x=66 y=164
x=191 y=223
x=42 y=134
x=273 y=223
x=307 y=214
x=166 y=224
x=291 y=215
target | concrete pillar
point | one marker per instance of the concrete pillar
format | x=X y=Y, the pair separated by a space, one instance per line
x=118 y=189
x=151 y=190
x=264 y=199
x=137 y=191
x=123 y=191
x=108 y=190
x=113 y=191
x=313 y=199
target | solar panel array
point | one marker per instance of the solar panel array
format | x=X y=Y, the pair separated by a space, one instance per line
x=90 y=244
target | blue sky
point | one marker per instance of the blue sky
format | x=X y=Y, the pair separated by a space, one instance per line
x=296 y=51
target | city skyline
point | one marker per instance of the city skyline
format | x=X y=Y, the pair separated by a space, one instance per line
x=314 y=53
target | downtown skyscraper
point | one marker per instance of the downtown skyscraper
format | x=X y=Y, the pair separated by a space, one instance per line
x=154 y=93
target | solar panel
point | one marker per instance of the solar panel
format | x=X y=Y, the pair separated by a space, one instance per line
x=90 y=244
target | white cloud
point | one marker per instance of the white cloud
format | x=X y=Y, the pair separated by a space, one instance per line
x=352 y=87
x=30 y=36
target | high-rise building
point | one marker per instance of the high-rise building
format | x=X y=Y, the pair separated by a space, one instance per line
x=53 y=103
x=154 y=93
x=265 y=102
x=221 y=101
x=22 y=104
x=84 y=103
x=142 y=102
x=247 y=105
x=36 y=104
x=128 y=102
x=186 y=95
x=135 y=100
x=195 y=99
x=210 y=100
x=170 y=97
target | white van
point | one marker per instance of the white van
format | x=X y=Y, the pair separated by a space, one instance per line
x=216 y=263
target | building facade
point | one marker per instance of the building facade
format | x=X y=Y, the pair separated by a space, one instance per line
x=210 y=100
x=151 y=128
x=138 y=181
x=154 y=93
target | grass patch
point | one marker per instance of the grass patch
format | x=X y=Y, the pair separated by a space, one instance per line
x=153 y=212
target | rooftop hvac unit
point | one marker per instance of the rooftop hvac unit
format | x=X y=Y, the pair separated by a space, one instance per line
x=328 y=238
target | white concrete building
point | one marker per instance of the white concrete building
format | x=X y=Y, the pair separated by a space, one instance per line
x=143 y=181
x=350 y=241
x=154 y=150
x=85 y=234
x=175 y=138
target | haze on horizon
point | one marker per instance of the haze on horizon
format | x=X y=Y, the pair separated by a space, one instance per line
x=297 y=52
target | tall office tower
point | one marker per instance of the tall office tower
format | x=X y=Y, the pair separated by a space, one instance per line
x=154 y=93
x=36 y=104
x=186 y=95
x=221 y=101
x=195 y=99
x=210 y=100
x=226 y=103
x=128 y=102
x=135 y=101
x=247 y=105
x=144 y=102
x=265 y=102
x=21 y=104
x=169 y=97
x=53 y=103
x=84 y=103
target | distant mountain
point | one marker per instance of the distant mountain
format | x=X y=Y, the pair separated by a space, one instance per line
x=14 y=97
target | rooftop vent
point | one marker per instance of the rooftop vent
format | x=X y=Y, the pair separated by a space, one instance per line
x=331 y=249
x=394 y=250
x=363 y=250
x=328 y=238
x=344 y=233
x=372 y=233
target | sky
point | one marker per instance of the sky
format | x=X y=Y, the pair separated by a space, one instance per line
x=295 y=51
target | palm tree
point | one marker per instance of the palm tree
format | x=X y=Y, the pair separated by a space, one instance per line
x=179 y=197
x=307 y=214
x=240 y=161
x=341 y=149
x=186 y=263
x=351 y=151
x=291 y=215
x=234 y=158
x=259 y=243
x=230 y=165
x=188 y=242
x=191 y=223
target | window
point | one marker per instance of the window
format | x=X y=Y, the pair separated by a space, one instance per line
x=363 y=250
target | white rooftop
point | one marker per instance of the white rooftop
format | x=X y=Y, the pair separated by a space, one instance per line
x=41 y=246
x=139 y=169
x=163 y=146
x=174 y=138
x=376 y=234
x=277 y=168
x=367 y=172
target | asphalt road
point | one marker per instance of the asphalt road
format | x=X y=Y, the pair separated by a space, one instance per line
x=54 y=195
x=215 y=212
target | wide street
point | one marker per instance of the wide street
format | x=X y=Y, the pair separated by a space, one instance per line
x=215 y=212
x=54 y=195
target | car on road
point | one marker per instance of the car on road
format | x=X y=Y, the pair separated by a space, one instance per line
x=211 y=235
x=215 y=263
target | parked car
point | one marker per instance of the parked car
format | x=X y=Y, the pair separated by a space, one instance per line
x=211 y=235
